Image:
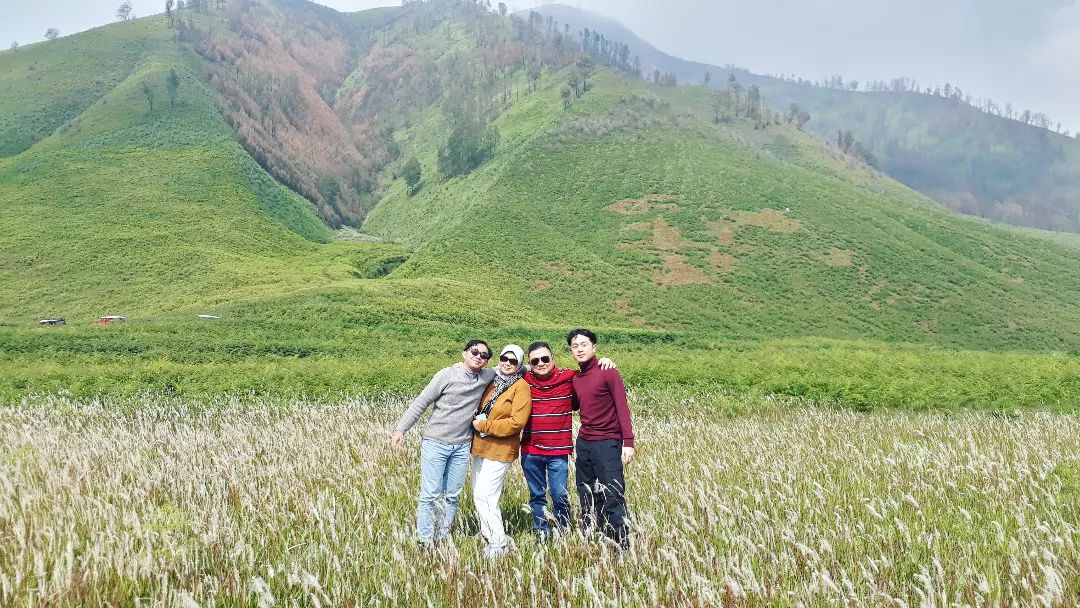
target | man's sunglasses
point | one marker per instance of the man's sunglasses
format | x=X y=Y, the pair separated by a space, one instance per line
x=538 y=360
x=483 y=354
x=509 y=360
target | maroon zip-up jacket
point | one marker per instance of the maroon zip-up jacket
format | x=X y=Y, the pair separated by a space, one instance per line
x=602 y=397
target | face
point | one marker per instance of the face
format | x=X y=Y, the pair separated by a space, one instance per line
x=476 y=357
x=536 y=360
x=508 y=363
x=582 y=348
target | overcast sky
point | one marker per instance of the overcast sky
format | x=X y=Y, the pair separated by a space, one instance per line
x=1024 y=52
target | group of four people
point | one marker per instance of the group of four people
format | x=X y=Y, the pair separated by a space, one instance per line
x=493 y=414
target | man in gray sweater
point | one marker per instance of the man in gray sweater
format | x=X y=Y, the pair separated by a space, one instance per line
x=444 y=451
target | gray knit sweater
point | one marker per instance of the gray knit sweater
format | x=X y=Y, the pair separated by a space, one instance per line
x=456 y=393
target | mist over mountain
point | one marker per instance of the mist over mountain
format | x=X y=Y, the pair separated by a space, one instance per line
x=973 y=155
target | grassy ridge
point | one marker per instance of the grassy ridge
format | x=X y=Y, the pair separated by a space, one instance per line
x=128 y=211
x=708 y=256
x=748 y=243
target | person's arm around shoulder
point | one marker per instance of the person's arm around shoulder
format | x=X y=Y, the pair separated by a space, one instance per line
x=520 y=408
x=423 y=401
x=622 y=411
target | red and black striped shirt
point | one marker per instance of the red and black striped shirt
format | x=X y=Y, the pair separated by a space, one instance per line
x=549 y=431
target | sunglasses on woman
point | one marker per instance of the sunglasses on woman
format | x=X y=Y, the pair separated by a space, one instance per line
x=509 y=360
x=483 y=354
x=538 y=360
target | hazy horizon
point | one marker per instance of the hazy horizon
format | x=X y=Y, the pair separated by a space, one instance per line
x=1028 y=54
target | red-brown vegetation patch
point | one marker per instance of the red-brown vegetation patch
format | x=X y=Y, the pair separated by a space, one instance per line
x=676 y=271
x=723 y=262
x=770 y=219
x=931 y=327
x=643 y=205
x=541 y=285
x=835 y=257
x=723 y=231
x=559 y=268
x=667 y=237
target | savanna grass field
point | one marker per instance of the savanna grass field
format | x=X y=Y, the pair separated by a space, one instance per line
x=733 y=501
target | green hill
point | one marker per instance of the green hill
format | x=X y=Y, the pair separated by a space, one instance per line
x=973 y=162
x=758 y=259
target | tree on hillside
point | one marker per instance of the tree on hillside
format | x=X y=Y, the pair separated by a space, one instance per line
x=168 y=10
x=123 y=12
x=14 y=45
x=52 y=33
x=844 y=140
x=470 y=144
x=148 y=92
x=411 y=173
x=708 y=77
x=567 y=96
x=172 y=85
x=502 y=9
x=802 y=119
x=586 y=67
x=793 y=111
x=573 y=79
x=736 y=91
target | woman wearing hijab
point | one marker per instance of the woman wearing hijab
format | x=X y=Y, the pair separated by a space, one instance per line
x=504 y=410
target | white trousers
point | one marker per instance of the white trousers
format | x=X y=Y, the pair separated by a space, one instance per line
x=487 y=486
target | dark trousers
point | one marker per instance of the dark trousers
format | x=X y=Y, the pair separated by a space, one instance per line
x=601 y=487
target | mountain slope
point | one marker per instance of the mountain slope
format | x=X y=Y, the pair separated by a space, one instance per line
x=972 y=162
x=632 y=208
x=126 y=210
x=754 y=259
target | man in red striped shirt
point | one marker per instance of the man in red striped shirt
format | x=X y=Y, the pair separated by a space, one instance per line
x=547 y=441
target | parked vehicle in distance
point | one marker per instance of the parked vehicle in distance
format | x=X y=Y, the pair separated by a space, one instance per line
x=112 y=319
x=52 y=321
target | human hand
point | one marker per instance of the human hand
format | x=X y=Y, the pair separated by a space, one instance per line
x=606 y=363
x=476 y=424
x=627 y=454
x=396 y=440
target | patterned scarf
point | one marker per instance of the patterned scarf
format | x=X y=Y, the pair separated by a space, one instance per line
x=501 y=383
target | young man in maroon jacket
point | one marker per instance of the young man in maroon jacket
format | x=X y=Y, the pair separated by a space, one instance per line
x=605 y=440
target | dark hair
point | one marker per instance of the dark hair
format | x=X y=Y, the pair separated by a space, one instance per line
x=473 y=343
x=581 y=332
x=537 y=346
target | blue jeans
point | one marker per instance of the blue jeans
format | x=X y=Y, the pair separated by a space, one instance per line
x=443 y=468
x=543 y=473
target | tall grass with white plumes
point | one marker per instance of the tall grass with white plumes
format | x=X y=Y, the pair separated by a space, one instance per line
x=276 y=504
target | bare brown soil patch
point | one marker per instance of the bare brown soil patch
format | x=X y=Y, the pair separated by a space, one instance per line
x=541 y=285
x=836 y=257
x=723 y=231
x=559 y=268
x=722 y=261
x=643 y=205
x=676 y=271
x=770 y=219
x=933 y=327
x=665 y=236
